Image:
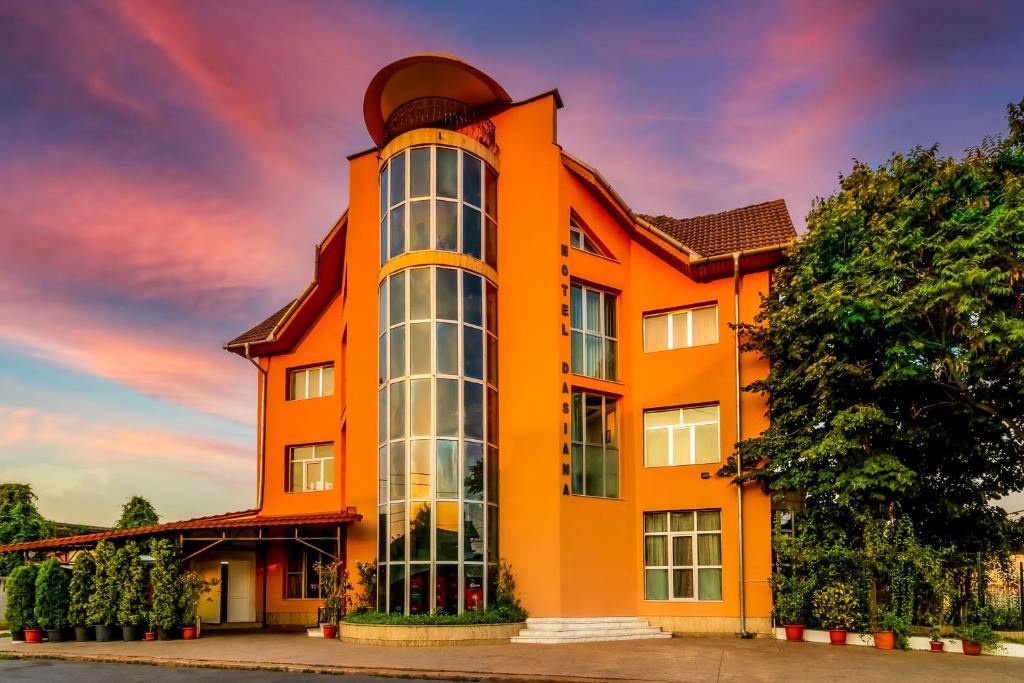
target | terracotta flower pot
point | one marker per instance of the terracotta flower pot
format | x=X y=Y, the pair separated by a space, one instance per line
x=33 y=635
x=330 y=631
x=188 y=632
x=970 y=647
x=149 y=635
x=794 y=632
x=885 y=640
x=936 y=645
x=837 y=636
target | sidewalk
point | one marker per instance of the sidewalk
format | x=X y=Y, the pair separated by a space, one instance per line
x=696 y=660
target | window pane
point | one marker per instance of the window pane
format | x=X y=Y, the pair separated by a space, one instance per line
x=473 y=471
x=656 y=551
x=397 y=471
x=447 y=407
x=611 y=423
x=396 y=230
x=446 y=222
x=492 y=474
x=611 y=359
x=593 y=310
x=709 y=520
x=492 y=416
x=577 y=469
x=447 y=469
x=611 y=472
x=474 y=583
x=397 y=171
x=707 y=443
x=656 y=584
x=447 y=532
x=382 y=534
x=384 y=241
x=705 y=325
x=682 y=551
x=654 y=522
x=491 y=244
x=705 y=414
x=709 y=549
x=447 y=294
x=419 y=532
x=680 y=335
x=492 y=308
x=447 y=172
x=382 y=359
x=328 y=381
x=492 y=533
x=447 y=587
x=298 y=384
x=396 y=594
x=682 y=521
x=710 y=584
x=314 y=476
x=419 y=348
x=593 y=482
x=420 y=404
x=577 y=417
x=470 y=179
x=397 y=534
x=681 y=447
x=610 y=329
x=296 y=477
x=397 y=355
x=294 y=586
x=575 y=237
x=473 y=352
x=656 y=447
x=577 y=353
x=656 y=333
x=593 y=420
x=382 y=307
x=473 y=532
x=447 y=349
x=396 y=411
x=491 y=192
x=396 y=288
x=420 y=294
x=419 y=225
x=328 y=474
x=595 y=356
x=472 y=299
x=473 y=403
x=419 y=588
x=302 y=453
x=383 y=185
x=382 y=474
x=419 y=172
x=382 y=415
x=682 y=583
x=492 y=359
x=471 y=237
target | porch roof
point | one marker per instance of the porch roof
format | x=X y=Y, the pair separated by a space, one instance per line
x=246 y=519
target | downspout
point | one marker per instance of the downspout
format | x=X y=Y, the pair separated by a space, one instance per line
x=739 y=437
x=262 y=438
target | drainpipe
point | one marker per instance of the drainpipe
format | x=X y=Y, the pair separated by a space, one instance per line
x=262 y=438
x=739 y=437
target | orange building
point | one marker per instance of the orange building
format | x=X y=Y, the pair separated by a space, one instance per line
x=497 y=359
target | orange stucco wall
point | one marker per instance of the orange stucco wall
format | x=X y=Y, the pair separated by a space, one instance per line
x=572 y=556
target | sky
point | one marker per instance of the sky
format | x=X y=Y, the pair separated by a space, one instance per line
x=166 y=169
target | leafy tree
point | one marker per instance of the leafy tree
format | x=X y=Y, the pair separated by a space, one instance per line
x=165 y=577
x=21 y=597
x=137 y=512
x=20 y=521
x=103 y=602
x=895 y=337
x=83 y=578
x=131 y=605
x=52 y=599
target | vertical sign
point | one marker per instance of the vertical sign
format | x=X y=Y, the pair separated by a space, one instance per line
x=566 y=459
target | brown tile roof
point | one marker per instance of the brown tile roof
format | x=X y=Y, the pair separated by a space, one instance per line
x=230 y=520
x=261 y=332
x=760 y=225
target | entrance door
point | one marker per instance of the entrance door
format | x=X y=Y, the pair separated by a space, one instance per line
x=241 y=605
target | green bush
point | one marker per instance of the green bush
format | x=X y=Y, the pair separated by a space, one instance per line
x=836 y=607
x=192 y=588
x=131 y=606
x=83 y=579
x=21 y=597
x=494 y=615
x=103 y=602
x=52 y=598
x=790 y=599
x=165 y=577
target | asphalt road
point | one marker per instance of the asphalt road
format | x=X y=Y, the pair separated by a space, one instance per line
x=19 y=670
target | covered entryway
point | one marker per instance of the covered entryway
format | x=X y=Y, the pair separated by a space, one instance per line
x=233 y=599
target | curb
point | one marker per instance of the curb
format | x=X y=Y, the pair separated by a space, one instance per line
x=319 y=668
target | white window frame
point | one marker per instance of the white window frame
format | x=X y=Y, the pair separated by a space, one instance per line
x=580 y=240
x=601 y=332
x=314 y=375
x=680 y=425
x=670 y=567
x=604 y=447
x=325 y=462
x=670 y=331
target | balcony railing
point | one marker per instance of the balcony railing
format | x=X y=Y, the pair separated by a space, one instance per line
x=441 y=112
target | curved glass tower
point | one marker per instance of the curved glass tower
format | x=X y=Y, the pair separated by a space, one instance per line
x=438 y=398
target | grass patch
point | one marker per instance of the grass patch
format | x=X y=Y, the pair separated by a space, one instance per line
x=499 y=615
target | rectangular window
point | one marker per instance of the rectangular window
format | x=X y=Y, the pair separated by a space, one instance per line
x=301 y=580
x=681 y=329
x=311 y=382
x=311 y=468
x=594 y=335
x=681 y=436
x=595 y=446
x=683 y=555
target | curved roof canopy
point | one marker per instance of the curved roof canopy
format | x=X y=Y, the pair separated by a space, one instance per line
x=426 y=76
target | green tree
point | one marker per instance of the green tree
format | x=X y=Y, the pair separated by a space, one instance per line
x=104 y=601
x=21 y=597
x=20 y=521
x=131 y=605
x=895 y=338
x=165 y=577
x=137 y=512
x=52 y=599
x=83 y=579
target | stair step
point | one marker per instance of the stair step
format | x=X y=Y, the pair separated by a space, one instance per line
x=587 y=629
x=588 y=639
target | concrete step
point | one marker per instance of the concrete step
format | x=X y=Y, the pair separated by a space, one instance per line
x=588 y=638
x=587 y=629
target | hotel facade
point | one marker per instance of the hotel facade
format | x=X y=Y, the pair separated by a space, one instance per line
x=498 y=360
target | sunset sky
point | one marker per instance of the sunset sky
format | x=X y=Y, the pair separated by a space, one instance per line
x=167 y=167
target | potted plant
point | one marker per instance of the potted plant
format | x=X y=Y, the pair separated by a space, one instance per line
x=891 y=630
x=165 y=577
x=103 y=602
x=193 y=588
x=131 y=609
x=83 y=575
x=21 y=603
x=52 y=599
x=836 y=608
x=935 y=642
x=978 y=638
x=790 y=605
x=332 y=591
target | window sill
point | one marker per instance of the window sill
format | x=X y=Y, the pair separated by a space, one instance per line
x=312 y=398
x=685 y=600
x=683 y=464
x=588 y=497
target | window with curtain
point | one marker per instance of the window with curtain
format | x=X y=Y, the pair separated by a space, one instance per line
x=312 y=382
x=681 y=436
x=594 y=333
x=683 y=555
x=681 y=329
x=595 y=446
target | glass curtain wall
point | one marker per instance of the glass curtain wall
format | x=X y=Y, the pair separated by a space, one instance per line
x=438 y=450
